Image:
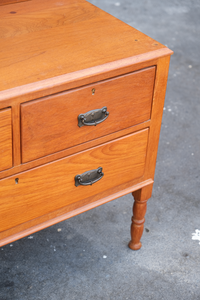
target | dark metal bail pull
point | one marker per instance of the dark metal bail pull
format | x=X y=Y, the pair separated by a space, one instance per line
x=93 y=117
x=89 y=177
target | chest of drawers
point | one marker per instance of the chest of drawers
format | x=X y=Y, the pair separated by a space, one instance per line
x=81 y=100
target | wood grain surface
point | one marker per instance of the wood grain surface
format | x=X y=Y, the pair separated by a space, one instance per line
x=47 y=188
x=4 y=2
x=156 y=115
x=51 y=124
x=69 y=47
x=49 y=38
x=5 y=139
x=69 y=211
x=61 y=154
x=141 y=197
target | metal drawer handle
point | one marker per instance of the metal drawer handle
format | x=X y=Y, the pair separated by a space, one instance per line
x=89 y=177
x=93 y=117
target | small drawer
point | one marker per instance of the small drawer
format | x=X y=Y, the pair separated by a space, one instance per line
x=51 y=124
x=5 y=139
x=42 y=190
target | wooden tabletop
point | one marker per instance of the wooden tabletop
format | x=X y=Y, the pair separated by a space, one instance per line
x=43 y=39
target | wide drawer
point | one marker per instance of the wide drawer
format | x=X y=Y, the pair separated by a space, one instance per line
x=5 y=139
x=47 y=188
x=50 y=124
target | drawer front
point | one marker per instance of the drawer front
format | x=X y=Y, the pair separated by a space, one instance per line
x=50 y=124
x=45 y=189
x=5 y=139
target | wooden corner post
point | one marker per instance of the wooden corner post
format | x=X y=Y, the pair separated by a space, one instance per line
x=139 y=210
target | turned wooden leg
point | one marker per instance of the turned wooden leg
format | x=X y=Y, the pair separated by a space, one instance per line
x=139 y=209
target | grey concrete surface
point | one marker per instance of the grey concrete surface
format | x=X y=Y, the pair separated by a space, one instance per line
x=89 y=258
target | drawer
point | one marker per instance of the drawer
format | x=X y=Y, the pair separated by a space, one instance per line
x=5 y=139
x=50 y=124
x=45 y=189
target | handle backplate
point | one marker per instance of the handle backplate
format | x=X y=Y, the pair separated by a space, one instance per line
x=93 y=117
x=89 y=177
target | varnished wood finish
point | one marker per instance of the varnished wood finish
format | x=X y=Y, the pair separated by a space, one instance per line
x=5 y=139
x=69 y=211
x=16 y=135
x=72 y=150
x=141 y=196
x=64 y=49
x=45 y=189
x=80 y=78
x=47 y=124
x=4 y=2
x=139 y=210
x=68 y=36
x=156 y=115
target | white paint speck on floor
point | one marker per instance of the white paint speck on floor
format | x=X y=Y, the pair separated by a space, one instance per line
x=196 y=235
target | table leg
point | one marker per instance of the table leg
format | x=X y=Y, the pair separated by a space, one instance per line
x=139 y=209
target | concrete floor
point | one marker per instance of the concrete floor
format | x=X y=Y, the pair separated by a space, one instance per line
x=88 y=258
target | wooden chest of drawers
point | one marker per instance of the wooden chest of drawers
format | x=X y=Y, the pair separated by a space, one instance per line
x=81 y=100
